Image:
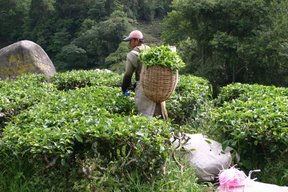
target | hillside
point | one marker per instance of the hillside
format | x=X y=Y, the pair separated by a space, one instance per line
x=151 y=30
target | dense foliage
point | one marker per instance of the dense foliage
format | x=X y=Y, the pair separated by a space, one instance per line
x=161 y=56
x=16 y=95
x=76 y=132
x=188 y=101
x=80 y=126
x=224 y=41
x=231 y=41
x=77 y=125
x=75 y=34
x=254 y=120
x=79 y=79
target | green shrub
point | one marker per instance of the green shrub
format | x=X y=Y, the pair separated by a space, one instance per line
x=276 y=170
x=245 y=92
x=23 y=175
x=20 y=94
x=254 y=120
x=89 y=126
x=82 y=78
x=79 y=126
x=86 y=119
x=191 y=96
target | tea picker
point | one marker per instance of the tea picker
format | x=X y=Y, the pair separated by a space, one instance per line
x=154 y=84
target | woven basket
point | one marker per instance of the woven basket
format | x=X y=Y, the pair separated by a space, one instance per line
x=158 y=83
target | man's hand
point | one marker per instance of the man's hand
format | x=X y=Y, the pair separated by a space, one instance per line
x=126 y=93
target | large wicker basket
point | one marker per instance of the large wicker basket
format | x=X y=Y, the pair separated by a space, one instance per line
x=158 y=83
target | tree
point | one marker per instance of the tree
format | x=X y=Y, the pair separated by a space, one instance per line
x=68 y=22
x=97 y=10
x=72 y=57
x=40 y=24
x=233 y=39
x=103 y=38
x=116 y=61
x=40 y=10
x=12 y=18
x=145 y=10
x=151 y=9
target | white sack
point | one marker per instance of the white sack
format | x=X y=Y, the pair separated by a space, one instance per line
x=264 y=187
x=254 y=186
x=206 y=155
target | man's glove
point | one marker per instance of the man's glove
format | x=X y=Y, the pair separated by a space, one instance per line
x=126 y=93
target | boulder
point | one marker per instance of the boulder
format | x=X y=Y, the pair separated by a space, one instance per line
x=24 y=57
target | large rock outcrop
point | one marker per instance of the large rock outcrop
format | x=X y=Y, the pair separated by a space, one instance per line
x=24 y=57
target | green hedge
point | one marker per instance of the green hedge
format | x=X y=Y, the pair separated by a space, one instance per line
x=85 y=118
x=254 y=120
x=20 y=94
x=27 y=90
x=245 y=92
x=80 y=120
x=192 y=96
x=82 y=78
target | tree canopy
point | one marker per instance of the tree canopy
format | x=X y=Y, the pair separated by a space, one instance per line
x=90 y=29
x=223 y=40
x=231 y=41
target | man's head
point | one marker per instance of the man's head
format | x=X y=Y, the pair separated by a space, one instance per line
x=135 y=38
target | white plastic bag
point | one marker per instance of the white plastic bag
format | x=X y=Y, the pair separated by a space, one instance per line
x=205 y=155
x=264 y=187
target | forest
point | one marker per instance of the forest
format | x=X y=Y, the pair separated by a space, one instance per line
x=222 y=40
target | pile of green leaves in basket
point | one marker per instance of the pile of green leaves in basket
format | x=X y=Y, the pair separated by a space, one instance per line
x=162 y=56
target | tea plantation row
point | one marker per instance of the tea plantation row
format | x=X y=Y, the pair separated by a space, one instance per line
x=62 y=127
x=78 y=125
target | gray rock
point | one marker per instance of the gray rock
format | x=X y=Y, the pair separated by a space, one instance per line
x=24 y=57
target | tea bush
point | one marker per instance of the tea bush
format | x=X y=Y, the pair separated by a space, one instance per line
x=53 y=126
x=91 y=119
x=21 y=93
x=80 y=127
x=245 y=92
x=192 y=95
x=254 y=120
x=82 y=78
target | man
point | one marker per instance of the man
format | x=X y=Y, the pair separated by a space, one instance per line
x=145 y=106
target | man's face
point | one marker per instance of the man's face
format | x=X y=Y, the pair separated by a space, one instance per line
x=133 y=43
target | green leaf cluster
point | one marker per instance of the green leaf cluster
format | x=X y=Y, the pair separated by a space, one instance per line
x=20 y=94
x=80 y=120
x=231 y=41
x=88 y=116
x=161 y=56
x=81 y=78
x=192 y=95
x=254 y=120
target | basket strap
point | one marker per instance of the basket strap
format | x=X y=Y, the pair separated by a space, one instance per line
x=135 y=52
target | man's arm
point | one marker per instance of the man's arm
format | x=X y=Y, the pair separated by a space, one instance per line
x=128 y=74
x=126 y=82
